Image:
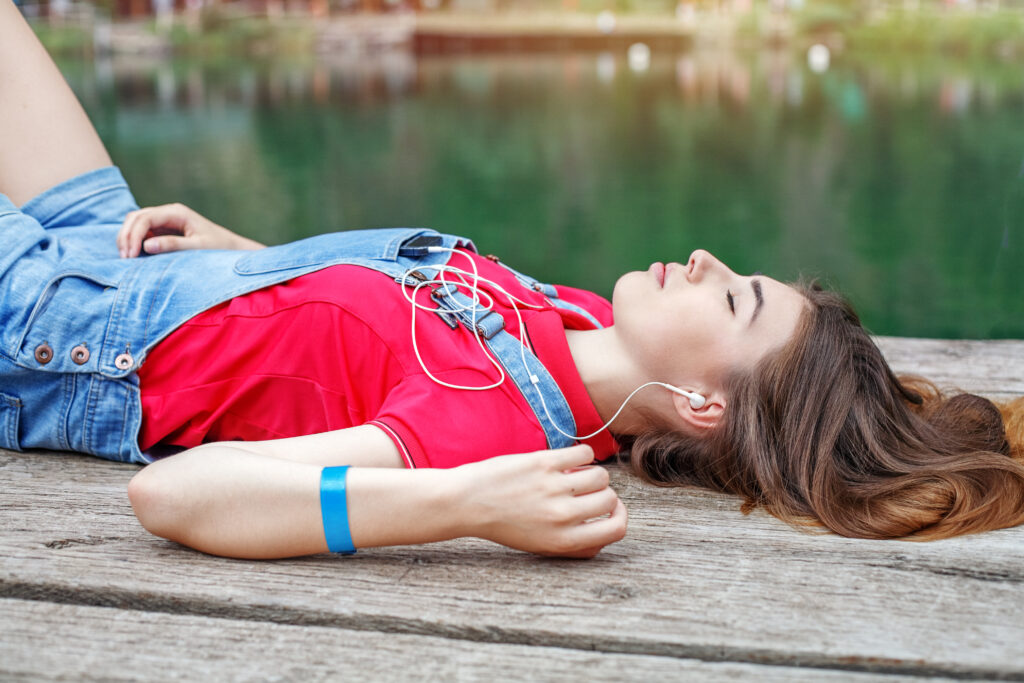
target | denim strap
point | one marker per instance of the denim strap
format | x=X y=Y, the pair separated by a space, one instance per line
x=544 y=395
x=576 y=309
x=551 y=293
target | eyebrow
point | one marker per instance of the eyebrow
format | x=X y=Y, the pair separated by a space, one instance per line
x=759 y=299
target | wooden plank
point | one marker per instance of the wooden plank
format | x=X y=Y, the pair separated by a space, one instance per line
x=694 y=579
x=46 y=641
x=990 y=368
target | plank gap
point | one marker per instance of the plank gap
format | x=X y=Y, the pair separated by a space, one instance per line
x=724 y=654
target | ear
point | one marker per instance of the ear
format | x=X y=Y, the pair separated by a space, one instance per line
x=700 y=419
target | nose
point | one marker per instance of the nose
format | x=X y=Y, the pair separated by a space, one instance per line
x=701 y=264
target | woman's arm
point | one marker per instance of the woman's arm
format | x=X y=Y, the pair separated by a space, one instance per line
x=226 y=499
x=173 y=227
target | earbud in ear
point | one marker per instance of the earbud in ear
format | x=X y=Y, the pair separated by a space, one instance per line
x=696 y=400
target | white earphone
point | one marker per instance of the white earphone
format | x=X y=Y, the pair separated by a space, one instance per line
x=696 y=400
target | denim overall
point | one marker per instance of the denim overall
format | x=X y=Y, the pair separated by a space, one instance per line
x=77 y=321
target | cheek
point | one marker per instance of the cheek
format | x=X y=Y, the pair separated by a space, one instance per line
x=736 y=355
x=715 y=351
x=673 y=337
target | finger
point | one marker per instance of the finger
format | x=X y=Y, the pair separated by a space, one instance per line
x=168 y=216
x=586 y=480
x=594 y=505
x=604 y=531
x=137 y=222
x=573 y=456
x=133 y=231
x=122 y=233
x=165 y=243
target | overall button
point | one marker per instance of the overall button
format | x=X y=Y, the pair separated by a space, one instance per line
x=80 y=354
x=124 y=361
x=44 y=354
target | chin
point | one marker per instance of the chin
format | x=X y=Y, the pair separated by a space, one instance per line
x=628 y=285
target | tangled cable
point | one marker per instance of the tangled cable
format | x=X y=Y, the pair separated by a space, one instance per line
x=476 y=300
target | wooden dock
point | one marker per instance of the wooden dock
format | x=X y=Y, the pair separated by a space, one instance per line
x=447 y=32
x=503 y=32
x=696 y=591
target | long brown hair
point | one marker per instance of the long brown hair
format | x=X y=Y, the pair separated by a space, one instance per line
x=823 y=432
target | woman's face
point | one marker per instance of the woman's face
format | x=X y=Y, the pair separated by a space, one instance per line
x=694 y=323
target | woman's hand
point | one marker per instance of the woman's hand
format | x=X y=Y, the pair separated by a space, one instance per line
x=549 y=502
x=173 y=227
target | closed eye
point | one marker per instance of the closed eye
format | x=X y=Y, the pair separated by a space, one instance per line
x=728 y=297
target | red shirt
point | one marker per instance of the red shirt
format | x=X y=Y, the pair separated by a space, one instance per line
x=333 y=349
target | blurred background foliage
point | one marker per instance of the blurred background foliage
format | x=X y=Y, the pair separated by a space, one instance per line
x=876 y=146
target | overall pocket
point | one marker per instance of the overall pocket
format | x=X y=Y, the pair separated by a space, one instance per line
x=10 y=415
x=68 y=323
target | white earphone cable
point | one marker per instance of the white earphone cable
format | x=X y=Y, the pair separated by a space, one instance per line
x=476 y=292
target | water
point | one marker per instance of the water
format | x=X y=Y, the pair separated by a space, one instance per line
x=901 y=183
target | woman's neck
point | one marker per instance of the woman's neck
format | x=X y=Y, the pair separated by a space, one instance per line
x=609 y=376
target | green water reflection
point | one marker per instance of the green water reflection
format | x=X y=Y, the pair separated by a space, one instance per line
x=900 y=183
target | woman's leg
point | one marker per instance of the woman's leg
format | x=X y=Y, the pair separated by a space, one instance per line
x=45 y=135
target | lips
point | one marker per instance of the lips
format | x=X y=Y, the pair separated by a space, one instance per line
x=659 y=273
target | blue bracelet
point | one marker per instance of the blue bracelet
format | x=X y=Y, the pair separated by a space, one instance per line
x=334 y=510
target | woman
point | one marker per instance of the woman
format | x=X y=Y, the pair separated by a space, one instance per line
x=765 y=390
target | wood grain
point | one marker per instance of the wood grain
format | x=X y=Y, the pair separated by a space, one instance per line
x=990 y=368
x=695 y=583
x=694 y=579
x=101 y=643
